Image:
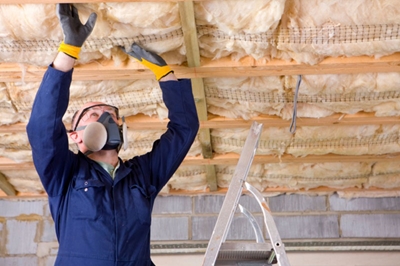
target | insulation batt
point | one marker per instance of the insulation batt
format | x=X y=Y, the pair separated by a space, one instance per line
x=141 y=142
x=8 y=113
x=189 y=178
x=337 y=175
x=226 y=96
x=310 y=175
x=368 y=194
x=319 y=95
x=37 y=29
x=24 y=180
x=225 y=173
x=131 y=96
x=345 y=140
x=225 y=28
x=263 y=176
x=232 y=18
x=349 y=93
x=301 y=176
x=331 y=17
x=15 y=146
x=230 y=97
x=385 y=175
x=28 y=22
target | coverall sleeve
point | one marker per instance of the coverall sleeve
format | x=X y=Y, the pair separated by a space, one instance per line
x=47 y=133
x=169 y=151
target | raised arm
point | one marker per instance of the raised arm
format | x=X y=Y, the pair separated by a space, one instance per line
x=75 y=34
x=169 y=151
x=46 y=131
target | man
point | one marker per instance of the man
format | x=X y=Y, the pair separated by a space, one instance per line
x=102 y=206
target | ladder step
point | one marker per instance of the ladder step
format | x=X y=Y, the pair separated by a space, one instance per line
x=235 y=252
x=242 y=263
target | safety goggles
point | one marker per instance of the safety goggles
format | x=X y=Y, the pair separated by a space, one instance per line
x=95 y=111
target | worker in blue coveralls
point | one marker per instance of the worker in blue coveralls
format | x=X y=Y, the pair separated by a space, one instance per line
x=101 y=205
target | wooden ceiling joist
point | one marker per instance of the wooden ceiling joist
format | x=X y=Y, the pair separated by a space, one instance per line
x=319 y=190
x=143 y=122
x=232 y=159
x=186 y=11
x=358 y=119
x=224 y=67
x=6 y=187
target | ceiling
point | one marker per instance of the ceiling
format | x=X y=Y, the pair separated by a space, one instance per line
x=245 y=59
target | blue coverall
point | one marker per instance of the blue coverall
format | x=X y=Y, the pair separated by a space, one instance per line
x=100 y=221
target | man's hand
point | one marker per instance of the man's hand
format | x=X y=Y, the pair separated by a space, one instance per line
x=151 y=60
x=75 y=33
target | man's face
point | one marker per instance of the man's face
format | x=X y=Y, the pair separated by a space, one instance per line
x=92 y=112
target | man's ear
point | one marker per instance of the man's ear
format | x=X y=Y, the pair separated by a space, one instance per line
x=75 y=137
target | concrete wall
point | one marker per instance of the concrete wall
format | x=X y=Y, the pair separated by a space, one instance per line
x=27 y=231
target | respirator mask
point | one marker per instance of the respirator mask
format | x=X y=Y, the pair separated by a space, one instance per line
x=104 y=134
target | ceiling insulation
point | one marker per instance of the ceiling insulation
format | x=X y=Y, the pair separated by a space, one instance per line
x=306 y=32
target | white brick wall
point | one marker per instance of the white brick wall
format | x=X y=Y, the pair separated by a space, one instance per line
x=27 y=231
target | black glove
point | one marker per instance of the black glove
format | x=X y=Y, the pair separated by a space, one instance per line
x=75 y=33
x=151 y=60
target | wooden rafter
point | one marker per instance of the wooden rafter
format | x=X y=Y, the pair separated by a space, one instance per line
x=6 y=187
x=232 y=159
x=224 y=67
x=318 y=190
x=222 y=191
x=143 y=122
x=188 y=23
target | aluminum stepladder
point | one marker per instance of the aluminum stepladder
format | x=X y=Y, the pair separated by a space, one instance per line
x=242 y=253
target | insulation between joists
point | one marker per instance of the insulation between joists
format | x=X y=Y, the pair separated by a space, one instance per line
x=306 y=31
x=290 y=29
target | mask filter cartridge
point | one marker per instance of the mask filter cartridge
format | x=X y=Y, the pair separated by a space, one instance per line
x=95 y=136
x=104 y=134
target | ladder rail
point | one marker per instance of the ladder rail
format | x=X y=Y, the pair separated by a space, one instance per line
x=254 y=224
x=273 y=233
x=232 y=196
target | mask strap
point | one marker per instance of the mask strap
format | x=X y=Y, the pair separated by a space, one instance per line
x=88 y=153
x=124 y=134
x=80 y=128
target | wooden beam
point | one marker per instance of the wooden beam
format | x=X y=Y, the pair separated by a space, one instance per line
x=222 y=191
x=224 y=67
x=8 y=164
x=312 y=191
x=247 y=66
x=186 y=11
x=6 y=187
x=144 y=122
x=232 y=159
x=358 y=119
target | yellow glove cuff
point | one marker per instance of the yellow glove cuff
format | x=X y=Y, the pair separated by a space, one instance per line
x=159 y=71
x=70 y=50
